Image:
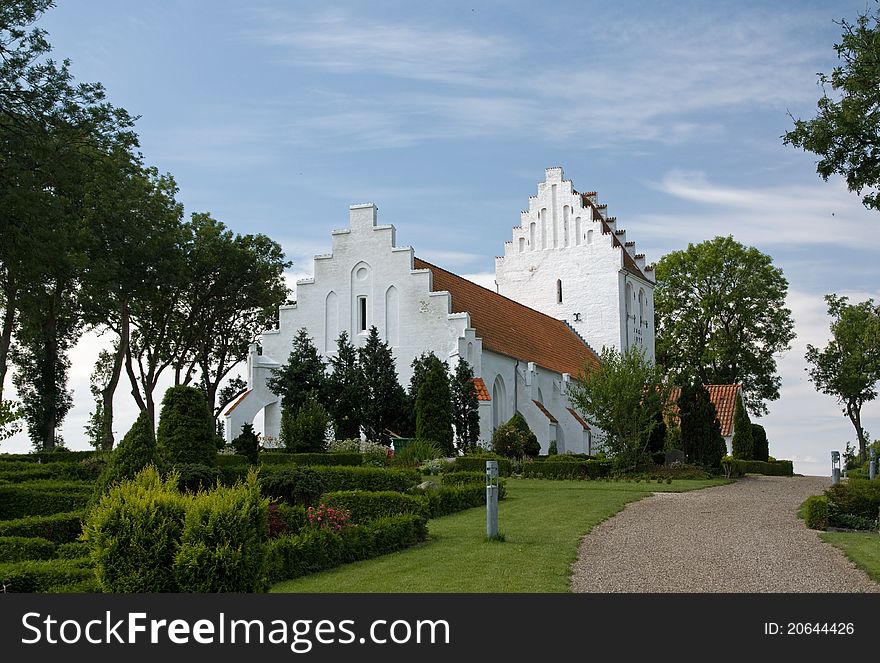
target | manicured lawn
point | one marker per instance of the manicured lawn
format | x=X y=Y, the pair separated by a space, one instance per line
x=541 y=520
x=863 y=548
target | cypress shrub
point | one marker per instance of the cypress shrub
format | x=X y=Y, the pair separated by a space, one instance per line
x=221 y=547
x=761 y=448
x=134 y=534
x=58 y=528
x=434 y=407
x=816 y=512
x=136 y=450
x=186 y=429
x=743 y=443
x=701 y=438
x=306 y=431
x=21 y=548
x=247 y=444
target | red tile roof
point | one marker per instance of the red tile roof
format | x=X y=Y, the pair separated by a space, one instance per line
x=512 y=329
x=238 y=400
x=580 y=419
x=482 y=392
x=723 y=397
x=546 y=412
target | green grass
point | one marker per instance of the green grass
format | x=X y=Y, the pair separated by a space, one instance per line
x=541 y=521
x=863 y=548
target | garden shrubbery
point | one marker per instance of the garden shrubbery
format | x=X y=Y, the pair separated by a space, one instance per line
x=367 y=506
x=367 y=478
x=53 y=575
x=58 y=528
x=736 y=467
x=328 y=459
x=20 y=548
x=39 y=498
x=571 y=469
x=477 y=463
x=293 y=485
x=815 y=511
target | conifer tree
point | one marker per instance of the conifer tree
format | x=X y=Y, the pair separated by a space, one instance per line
x=186 y=428
x=136 y=450
x=465 y=407
x=761 y=446
x=384 y=399
x=743 y=444
x=701 y=438
x=345 y=390
x=434 y=406
x=301 y=375
x=305 y=431
x=247 y=444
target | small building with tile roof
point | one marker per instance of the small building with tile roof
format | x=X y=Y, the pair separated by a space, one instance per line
x=723 y=397
x=524 y=350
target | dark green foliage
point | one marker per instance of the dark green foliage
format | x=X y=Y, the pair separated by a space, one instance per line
x=285 y=519
x=384 y=400
x=306 y=431
x=367 y=478
x=19 y=472
x=477 y=463
x=134 y=534
x=42 y=498
x=701 y=437
x=247 y=444
x=777 y=468
x=303 y=374
x=186 y=428
x=20 y=548
x=33 y=576
x=434 y=407
x=221 y=547
x=678 y=471
x=416 y=452
x=514 y=439
x=367 y=506
x=345 y=390
x=285 y=458
x=59 y=455
x=193 y=477
x=73 y=550
x=854 y=497
x=657 y=438
x=319 y=549
x=553 y=450
x=465 y=407
x=58 y=528
x=136 y=450
x=462 y=478
x=743 y=442
x=573 y=469
x=451 y=499
x=760 y=445
x=293 y=485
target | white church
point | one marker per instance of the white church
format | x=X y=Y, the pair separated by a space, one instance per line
x=568 y=284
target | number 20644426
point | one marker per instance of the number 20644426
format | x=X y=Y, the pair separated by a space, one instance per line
x=809 y=628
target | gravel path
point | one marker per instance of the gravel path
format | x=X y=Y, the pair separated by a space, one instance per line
x=742 y=537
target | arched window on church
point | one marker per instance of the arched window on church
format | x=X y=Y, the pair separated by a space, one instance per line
x=577 y=231
x=558 y=291
x=532 y=227
x=499 y=402
x=642 y=304
x=362 y=315
x=522 y=244
x=589 y=237
x=629 y=297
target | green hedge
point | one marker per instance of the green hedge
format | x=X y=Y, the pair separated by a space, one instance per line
x=815 y=510
x=477 y=463
x=326 y=459
x=777 y=468
x=451 y=499
x=367 y=478
x=58 y=528
x=367 y=506
x=319 y=549
x=48 y=457
x=75 y=550
x=20 y=471
x=45 y=575
x=573 y=469
x=462 y=478
x=21 y=548
x=854 y=503
x=43 y=498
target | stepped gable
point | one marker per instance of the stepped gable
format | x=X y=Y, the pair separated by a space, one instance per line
x=510 y=328
x=629 y=264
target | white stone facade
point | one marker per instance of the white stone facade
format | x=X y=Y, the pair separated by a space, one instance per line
x=366 y=280
x=569 y=260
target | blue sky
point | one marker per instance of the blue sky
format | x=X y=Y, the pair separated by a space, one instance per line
x=276 y=116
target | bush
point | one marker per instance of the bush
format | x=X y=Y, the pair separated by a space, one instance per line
x=58 y=528
x=285 y=519
x=368 y=478
x=136 y=450
x=743 y=444
x=815 y=510
x=294 y=485
x=573 y=469
x=75 y=550
x=366 y=506
x=193 y=477
x=134 y=534
x=247 y=444
x=21 y=548
x=286 y=458
x=777 y=468
x=416 y=452
x=60 y=455
x=306 y=430
x=319 y=549
x=477 y=463
x=553 y=450
x=221 y=547
x=678 y=471
x=760 y=446
x=462 y=478
x=450 y=499
x=82 y=470
x=855 y=498
x=42 y=498
x=44 y=575
x=514 y=439
x=186 y=430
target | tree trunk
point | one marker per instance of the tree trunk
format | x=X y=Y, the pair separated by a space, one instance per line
x=6 y=335
x=108 y=391
x=854 y=412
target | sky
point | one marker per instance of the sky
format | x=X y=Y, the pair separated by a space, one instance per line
x=276 y=116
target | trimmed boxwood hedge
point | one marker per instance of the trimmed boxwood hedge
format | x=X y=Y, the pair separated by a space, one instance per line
x=477 y=463
x=815 y=510
x=43 y=498
x=462 y=478
x=58 y=528
x=20 y=471
x=319 y=549
x=48 y=457
x=777 y=468
x=45 y=575
x=21 y=548
x=451 y=499
x=363 y=478
x=367 y=506
x=571 y=469
x=327 y=459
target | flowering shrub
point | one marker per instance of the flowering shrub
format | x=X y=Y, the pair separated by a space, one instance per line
x=435 y=466
x=328 y=517
x=344 y=446
x=271 y=442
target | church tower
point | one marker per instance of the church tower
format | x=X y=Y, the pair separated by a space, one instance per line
x=569 y=260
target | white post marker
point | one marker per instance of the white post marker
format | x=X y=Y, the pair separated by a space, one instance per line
x=491 y=499
x=835 y=467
